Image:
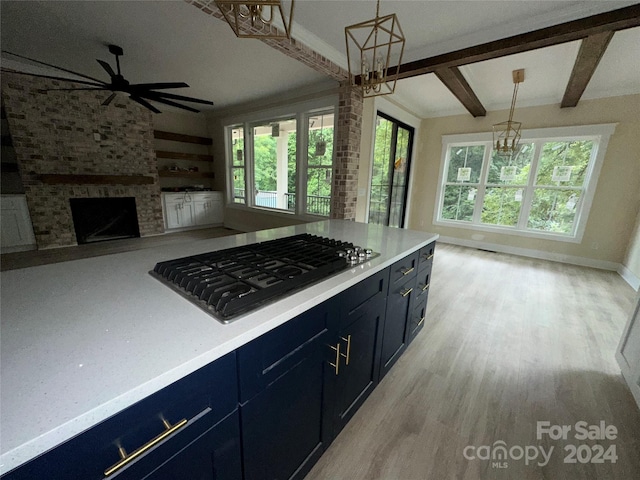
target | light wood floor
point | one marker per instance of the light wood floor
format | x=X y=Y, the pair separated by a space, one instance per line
x=11 y=261
x=510 y=341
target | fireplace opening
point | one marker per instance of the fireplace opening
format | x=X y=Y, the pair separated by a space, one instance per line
x=100 y=219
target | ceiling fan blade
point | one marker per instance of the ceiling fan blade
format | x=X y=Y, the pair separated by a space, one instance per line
x=144 y=103
x=176 y=97
x=107 y=67
x=109 y=99
x=101 y=84
x=158 y=86
x=72 y=89
x=173 y=104
x=53 y=66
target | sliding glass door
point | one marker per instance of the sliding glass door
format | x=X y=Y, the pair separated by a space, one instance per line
x=390 y=178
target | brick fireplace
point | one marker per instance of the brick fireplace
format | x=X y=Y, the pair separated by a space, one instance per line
x=70 y=146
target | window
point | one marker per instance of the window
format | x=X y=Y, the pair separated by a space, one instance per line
x=320 y=163
x=288 y=165
x=389 y=179
x=274 y=156
x=544 y=189
x=237 y=165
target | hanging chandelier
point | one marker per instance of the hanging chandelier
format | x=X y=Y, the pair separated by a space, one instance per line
x=506 y=135
x=257 y=18
x=371 y=48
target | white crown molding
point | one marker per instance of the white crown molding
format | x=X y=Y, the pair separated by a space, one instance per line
x=315 y=43
x=513 y=28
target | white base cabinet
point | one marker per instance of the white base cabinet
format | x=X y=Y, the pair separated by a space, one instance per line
x=15 y=224
x=192 y=209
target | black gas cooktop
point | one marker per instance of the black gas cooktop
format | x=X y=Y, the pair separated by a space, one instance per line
x=227 y=283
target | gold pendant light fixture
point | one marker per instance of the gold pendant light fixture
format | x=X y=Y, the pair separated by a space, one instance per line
x=257 y=18
x=506 y=135
x=372 y=46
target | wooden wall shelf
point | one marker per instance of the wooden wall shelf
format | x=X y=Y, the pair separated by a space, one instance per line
x=178 y=174
x=184 y=156
x=179 y=137
x=70 y=179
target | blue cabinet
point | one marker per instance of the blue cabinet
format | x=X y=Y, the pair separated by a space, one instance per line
x=281 y=378
x=356 y=347
x=268 y=410
x=172 y=427
x=399 y=307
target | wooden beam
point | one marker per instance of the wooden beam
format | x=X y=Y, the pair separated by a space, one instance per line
x=591 y=51
x=179 y=137
x=458 y=85
x=184 y=156
x=612 y=21
x=72 y=179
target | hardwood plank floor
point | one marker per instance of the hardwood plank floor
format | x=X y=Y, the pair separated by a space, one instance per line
x=32 y=258
x=510 y=341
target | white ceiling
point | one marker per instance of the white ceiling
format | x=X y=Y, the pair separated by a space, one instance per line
x=175 y=41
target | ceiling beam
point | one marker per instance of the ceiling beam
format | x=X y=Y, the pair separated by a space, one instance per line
x=591 y=50
x=612 y=21
x=458 y=85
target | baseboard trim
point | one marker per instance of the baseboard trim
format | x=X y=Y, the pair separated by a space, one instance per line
x=542 y=255
x=629 y=277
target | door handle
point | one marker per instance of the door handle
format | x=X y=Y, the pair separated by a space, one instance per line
x=407 y=271
x=406 y=292
x=421 y=321
x=126 y=459
x=336 y=365
x=348 y=340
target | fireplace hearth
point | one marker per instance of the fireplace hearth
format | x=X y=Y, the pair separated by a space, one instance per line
x=102 y=219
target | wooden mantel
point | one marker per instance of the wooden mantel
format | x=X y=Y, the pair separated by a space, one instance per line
x=71 y=179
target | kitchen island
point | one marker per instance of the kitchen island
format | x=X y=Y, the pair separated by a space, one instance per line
x=84 y=340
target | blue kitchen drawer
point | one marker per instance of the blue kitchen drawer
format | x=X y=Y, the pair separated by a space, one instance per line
x=211 y=390
x=403 y=270
x=426 y=255
x=362 y=293
x=268 y=357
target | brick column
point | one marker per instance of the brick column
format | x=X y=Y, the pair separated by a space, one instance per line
x=347 y=153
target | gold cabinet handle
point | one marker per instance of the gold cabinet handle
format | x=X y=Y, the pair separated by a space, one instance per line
x=337 y=364
x=407 y=271
x=430 y=256
x=348 y=340
x=425 y=287
x=126 y=459
x=406 y=292
x=421 y=321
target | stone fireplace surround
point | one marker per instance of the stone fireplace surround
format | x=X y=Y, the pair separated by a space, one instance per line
x=70 y=146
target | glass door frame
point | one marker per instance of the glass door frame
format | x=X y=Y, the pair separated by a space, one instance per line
x=394 y=137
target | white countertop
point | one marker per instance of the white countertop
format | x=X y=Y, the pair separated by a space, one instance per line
x=82 y=340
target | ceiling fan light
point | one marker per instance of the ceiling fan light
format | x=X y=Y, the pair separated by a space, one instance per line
x=257 y=18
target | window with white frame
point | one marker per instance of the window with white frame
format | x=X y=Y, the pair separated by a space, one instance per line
x=544 y=189
x=285 y=162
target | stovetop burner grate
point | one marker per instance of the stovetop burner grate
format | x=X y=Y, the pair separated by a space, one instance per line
x=230 y=282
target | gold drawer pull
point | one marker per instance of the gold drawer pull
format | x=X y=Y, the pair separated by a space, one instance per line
x=406 y=292
x=421 y=321
x=337 y=364
x=126 y=459
x=407 y=271
x=348 y=340
x=430 y=257
x=425 y=287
